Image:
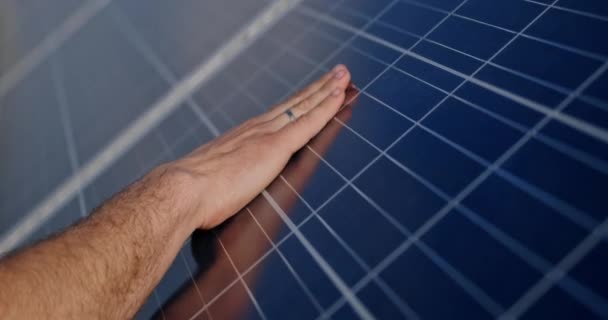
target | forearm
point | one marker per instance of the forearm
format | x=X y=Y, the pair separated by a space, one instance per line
x=106 y=265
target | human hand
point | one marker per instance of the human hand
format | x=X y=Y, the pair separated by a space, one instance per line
x=241 y=237
x=222 y=176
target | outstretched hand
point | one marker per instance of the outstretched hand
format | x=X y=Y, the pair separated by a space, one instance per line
x=224 y=175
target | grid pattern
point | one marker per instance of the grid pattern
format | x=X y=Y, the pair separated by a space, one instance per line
x=466 y=182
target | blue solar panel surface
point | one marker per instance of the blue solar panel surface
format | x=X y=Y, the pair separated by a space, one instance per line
x=467 y=179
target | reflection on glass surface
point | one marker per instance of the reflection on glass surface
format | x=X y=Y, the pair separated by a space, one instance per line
x=239 y=244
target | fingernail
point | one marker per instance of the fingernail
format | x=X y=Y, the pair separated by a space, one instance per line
x=336 y=92
x=339 y=74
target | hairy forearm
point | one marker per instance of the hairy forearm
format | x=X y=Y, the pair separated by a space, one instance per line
x=105 y=266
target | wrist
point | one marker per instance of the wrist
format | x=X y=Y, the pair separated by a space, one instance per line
x=183 y=189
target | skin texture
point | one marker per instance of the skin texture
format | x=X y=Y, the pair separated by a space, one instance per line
x=106 y=265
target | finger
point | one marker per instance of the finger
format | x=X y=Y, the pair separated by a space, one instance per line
x=339 y=82
x=296 y=134
x=304 y=93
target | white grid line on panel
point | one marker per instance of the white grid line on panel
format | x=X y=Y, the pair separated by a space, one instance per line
x=68 y=132
x=198 y=291
x=575 y=11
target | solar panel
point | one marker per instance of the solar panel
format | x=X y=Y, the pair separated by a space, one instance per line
x=465 y=180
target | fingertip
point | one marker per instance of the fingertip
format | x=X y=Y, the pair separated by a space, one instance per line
x=344 y=68
x=340 y=80
x=339 y=74
x=334 y=71
x=339 y=71
x=339 y=67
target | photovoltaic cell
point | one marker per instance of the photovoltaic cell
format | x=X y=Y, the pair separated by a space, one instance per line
x=465 y=181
